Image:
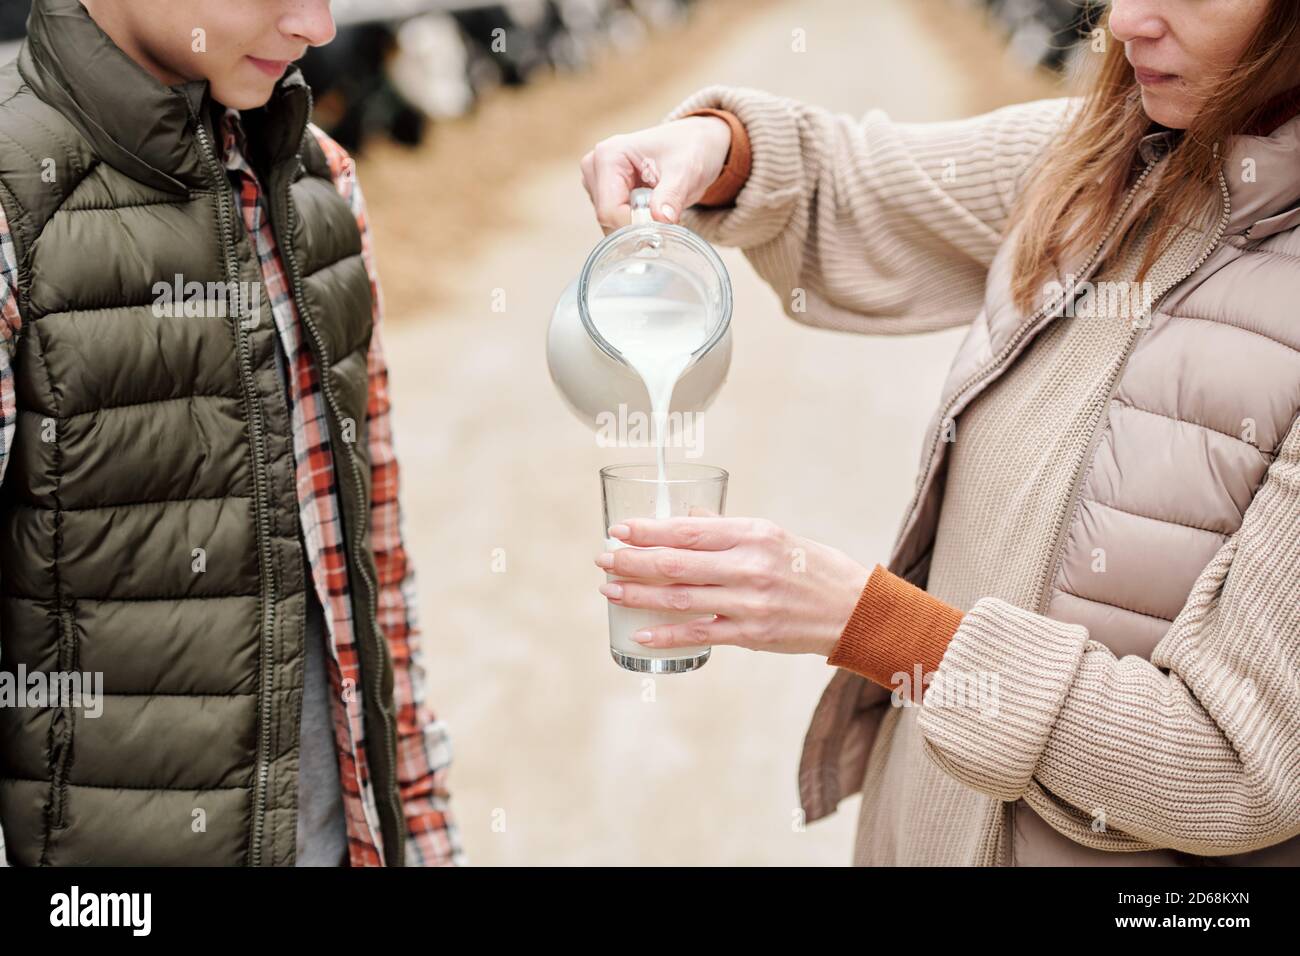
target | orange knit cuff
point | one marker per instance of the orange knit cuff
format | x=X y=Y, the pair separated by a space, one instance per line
x=895 y=628
x=735 y=171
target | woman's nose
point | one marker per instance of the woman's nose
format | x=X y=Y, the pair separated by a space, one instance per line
x=1136 y=19
x=311 y=21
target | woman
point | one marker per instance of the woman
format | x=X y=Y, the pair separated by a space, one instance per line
x=1106 y=523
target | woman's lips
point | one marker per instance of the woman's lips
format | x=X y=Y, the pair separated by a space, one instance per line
x=274 y=68
x=1153 y=78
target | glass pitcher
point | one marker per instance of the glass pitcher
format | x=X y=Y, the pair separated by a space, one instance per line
x=645 y=260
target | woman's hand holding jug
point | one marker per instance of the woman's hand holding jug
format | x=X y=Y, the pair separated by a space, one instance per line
x=678 y=160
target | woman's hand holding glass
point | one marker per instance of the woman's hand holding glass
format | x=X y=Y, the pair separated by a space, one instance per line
x=754 y=584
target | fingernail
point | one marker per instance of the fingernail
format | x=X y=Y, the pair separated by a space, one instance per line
x=668 y=212
x=642 y=637
x=611 y=590
x=605 y=560
x=619 y=531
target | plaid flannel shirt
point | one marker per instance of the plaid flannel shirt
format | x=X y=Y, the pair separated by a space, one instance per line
x=423 y=746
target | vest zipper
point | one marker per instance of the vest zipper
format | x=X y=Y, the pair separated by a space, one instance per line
x=1063 y=519
x=1085 y=270
x=258 y=438
x=359 y=525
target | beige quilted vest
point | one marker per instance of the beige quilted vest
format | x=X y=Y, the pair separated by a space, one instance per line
x=1211 y=379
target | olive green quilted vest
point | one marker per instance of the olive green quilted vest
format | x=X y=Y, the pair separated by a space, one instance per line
x=149 y=529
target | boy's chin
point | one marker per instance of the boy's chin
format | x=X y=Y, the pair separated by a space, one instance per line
x=242 y=95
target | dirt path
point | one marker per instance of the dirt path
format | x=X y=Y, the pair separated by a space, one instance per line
x=560 y=757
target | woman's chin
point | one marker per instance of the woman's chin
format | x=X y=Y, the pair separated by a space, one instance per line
x=1166 y=109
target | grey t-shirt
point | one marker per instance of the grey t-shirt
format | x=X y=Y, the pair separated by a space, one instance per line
x=322 y=833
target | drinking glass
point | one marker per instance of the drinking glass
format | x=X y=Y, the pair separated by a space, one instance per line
x=633 y=491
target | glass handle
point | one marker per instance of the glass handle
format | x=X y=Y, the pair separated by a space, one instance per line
x=640 y=201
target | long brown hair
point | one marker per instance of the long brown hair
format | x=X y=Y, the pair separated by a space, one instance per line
x=1087 y=171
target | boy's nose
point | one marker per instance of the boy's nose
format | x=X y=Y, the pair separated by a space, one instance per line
x=310 y=21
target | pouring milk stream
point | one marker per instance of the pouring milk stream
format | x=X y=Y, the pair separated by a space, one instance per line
x=658 y=337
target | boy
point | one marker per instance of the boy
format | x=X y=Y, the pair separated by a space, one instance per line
x=199 y=488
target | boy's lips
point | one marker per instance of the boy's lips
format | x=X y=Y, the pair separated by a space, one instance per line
x=274 y=68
